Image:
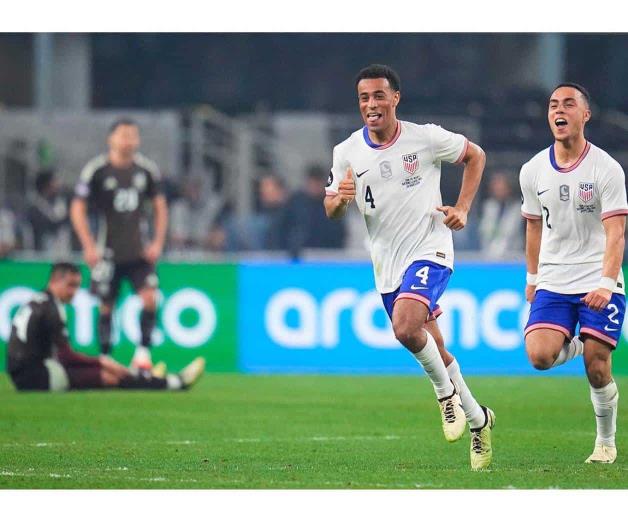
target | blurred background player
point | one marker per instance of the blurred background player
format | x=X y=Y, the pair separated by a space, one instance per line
x=39 y=356
x=574 y=200
x=392 y=170
x=117 y=185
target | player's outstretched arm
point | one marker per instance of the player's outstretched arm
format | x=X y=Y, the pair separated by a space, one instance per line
x=474 y=161
x=336 y=205
x=154 y=249
x=78 y=216
x=534 y=228
x=614 y=227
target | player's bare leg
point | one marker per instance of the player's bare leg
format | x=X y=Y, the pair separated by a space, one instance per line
x=480 y=418
x=108 y=378
x=548 y=348
x=142 y=358
x=104 y=327
x=604 y=396
x=114 y=375
x=409 y=318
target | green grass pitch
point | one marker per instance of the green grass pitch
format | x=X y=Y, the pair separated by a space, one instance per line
x=244 y=431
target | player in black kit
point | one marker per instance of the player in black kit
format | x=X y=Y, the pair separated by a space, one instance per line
x=39 y=356
x=118 y=185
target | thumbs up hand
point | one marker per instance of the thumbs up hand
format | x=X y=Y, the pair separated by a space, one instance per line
x=346 y=188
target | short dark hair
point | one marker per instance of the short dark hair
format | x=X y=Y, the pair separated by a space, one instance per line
x=380 y=71
x=60 y=269
x=124 y=121
x=583 y=91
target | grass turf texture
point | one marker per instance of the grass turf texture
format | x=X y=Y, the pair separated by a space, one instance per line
x=238 y=431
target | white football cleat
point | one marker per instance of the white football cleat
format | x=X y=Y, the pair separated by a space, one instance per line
x=452 y=416
x=481 y=449
x=141 y=359
x=602 y=455
x=192 y=372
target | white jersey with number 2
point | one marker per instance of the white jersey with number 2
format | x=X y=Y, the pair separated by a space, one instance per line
x=397 y=192
x=572 y=203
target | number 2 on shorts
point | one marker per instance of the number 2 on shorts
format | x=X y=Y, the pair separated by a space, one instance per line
x=614 y=312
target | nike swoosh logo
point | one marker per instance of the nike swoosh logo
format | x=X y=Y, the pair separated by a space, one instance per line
x=601 y=416
x=417 y=287
x=539 y=193
x=360 y=174
x=606 y=328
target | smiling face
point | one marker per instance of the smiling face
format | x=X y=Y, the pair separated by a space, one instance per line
x=567 y=114
x=378 y=104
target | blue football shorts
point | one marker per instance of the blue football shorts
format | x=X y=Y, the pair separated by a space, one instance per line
x=423 y=281
x=563 y=312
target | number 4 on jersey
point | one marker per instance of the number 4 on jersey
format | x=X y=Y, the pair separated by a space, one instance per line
x=368 y=197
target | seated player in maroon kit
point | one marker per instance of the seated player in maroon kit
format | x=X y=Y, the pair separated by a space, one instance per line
x=39 y=356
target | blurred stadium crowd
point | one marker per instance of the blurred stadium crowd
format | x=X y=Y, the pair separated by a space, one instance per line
x=242 y=127
x=284 y=221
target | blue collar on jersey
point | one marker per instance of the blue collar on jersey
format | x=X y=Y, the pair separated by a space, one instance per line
x=555 y=165
x=370 y=143
x=367 y=138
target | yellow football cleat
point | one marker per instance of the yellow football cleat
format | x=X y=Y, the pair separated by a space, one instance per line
x=192 y=372
x=452 y=416
x=481 y=449
x=159 y=370
x=602 y=455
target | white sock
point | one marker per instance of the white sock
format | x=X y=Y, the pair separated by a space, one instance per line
x=605 y=406
x=570 y=349
x=174 y=381
x=142 y=352
x=433 y=364
x=472 y=410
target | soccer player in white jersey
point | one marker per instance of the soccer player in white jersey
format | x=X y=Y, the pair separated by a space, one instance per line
x=392 y=170
x=574 y=200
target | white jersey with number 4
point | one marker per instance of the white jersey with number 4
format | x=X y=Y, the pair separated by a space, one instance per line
x=397 y=192
x=572 y=202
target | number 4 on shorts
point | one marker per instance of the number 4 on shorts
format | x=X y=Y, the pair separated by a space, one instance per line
x=422 y=274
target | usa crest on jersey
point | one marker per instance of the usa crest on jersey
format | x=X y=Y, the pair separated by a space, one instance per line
x=410 y=163
x=585 y=191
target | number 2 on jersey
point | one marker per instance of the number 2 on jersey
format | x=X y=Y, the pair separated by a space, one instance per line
x=368 y=197
x=547 y=217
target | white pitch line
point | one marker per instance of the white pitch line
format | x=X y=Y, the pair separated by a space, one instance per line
x=36 y=444
x=322 y=438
